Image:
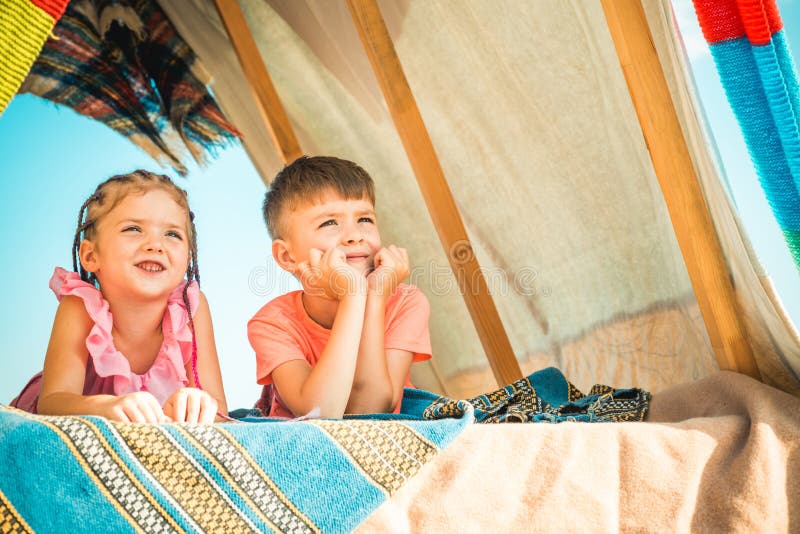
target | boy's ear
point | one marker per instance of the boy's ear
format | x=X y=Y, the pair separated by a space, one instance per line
x=87 y=256
x=283 y=257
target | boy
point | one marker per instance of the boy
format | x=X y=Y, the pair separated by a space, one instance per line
x=345 y=342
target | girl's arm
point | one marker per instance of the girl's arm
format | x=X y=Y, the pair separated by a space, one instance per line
x=65 y=372
x=190 y=405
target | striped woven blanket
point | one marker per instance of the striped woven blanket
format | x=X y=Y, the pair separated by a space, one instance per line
x=86 y=474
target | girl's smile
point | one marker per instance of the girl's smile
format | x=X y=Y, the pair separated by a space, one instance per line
x=141 y=248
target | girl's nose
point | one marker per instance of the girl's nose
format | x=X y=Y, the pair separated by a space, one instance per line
x=154 y=244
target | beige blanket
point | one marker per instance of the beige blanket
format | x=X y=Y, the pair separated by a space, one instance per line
x=721 y=454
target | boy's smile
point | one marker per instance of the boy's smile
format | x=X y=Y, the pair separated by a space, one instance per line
x=334 y=221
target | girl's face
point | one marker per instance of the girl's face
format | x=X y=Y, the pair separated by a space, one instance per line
x=141 y=248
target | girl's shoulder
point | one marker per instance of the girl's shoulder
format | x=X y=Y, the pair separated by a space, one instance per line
x=68 y=283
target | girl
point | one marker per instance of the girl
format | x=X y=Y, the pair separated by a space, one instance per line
x=131 y=337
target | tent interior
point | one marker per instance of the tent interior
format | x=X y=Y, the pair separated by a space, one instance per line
x=546 y=162
x=539 y=140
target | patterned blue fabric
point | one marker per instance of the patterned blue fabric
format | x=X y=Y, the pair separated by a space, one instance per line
x=86 y=474
x=545 y=396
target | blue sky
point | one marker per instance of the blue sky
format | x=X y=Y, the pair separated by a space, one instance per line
x=53 y=158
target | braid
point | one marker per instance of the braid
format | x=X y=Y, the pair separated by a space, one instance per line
x=79 y=232
x=192 y=275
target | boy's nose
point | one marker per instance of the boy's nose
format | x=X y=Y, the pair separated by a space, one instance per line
x=353 y=235
x=354 y=238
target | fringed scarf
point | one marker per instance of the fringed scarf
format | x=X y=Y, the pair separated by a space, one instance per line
x=122 y=63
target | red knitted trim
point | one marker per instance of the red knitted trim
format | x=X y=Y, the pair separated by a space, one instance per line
x=54 y=8
x=719 y=20
x=761 y=19
x=724 y=20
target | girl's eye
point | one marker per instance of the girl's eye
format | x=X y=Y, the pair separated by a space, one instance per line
x=131 y=229
x=366 y=220
x=176 y=235
x=329 y=222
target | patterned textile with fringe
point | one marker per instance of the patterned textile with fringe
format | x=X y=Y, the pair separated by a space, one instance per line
x=122 y=63
x=545 y=396
x=24 y=27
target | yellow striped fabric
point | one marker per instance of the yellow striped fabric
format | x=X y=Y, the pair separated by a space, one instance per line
x=23 y=31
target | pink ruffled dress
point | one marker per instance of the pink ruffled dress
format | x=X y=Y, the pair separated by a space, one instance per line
x=107 y=369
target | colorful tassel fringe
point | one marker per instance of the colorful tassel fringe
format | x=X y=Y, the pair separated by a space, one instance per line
x=755 y=66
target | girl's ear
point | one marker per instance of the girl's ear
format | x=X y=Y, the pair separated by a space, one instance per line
x=282 y=255
x=87 y=256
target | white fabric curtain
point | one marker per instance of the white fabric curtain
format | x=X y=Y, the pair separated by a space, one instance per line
x=531 y=118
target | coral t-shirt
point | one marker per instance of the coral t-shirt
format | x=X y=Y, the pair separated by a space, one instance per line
x=282 y=331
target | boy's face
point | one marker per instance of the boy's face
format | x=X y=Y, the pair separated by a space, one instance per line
x=334 y=222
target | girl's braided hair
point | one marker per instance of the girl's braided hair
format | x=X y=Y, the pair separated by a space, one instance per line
x=106 y=197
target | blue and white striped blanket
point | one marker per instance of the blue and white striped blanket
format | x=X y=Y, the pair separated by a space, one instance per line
x=86 y=474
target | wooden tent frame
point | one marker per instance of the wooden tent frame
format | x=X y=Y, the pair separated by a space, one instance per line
x=691 y=220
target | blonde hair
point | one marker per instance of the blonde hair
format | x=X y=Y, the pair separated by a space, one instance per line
x=110 y=193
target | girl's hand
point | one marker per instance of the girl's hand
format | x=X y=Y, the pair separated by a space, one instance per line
x=327 y=274
x=191 y=405
x=139 y=407
x=391 y=268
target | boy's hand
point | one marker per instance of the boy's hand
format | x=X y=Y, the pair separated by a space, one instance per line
x=138 y=407
x=327 y=274
x=191 y=405
x=391 y=268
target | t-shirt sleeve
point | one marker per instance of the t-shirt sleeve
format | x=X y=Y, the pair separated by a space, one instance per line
x=274 y=343
x=407 y=324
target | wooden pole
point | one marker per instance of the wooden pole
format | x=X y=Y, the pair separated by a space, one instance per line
x=269 y=104
x=408 y=121
x=687 y=208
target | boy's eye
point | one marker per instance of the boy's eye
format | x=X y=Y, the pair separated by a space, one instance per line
x=175 y=234
x=329 y=222
x=132 y=228
x=366 y=220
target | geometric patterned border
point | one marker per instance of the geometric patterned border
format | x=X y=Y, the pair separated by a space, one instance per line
x=184 y=479
x=243 y=473
x=387 y=454
x=111 y=475
x=10 y=521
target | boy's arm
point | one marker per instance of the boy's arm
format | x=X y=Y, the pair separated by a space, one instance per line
x=327 y=385
x=379 y=376
x=372 y=385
